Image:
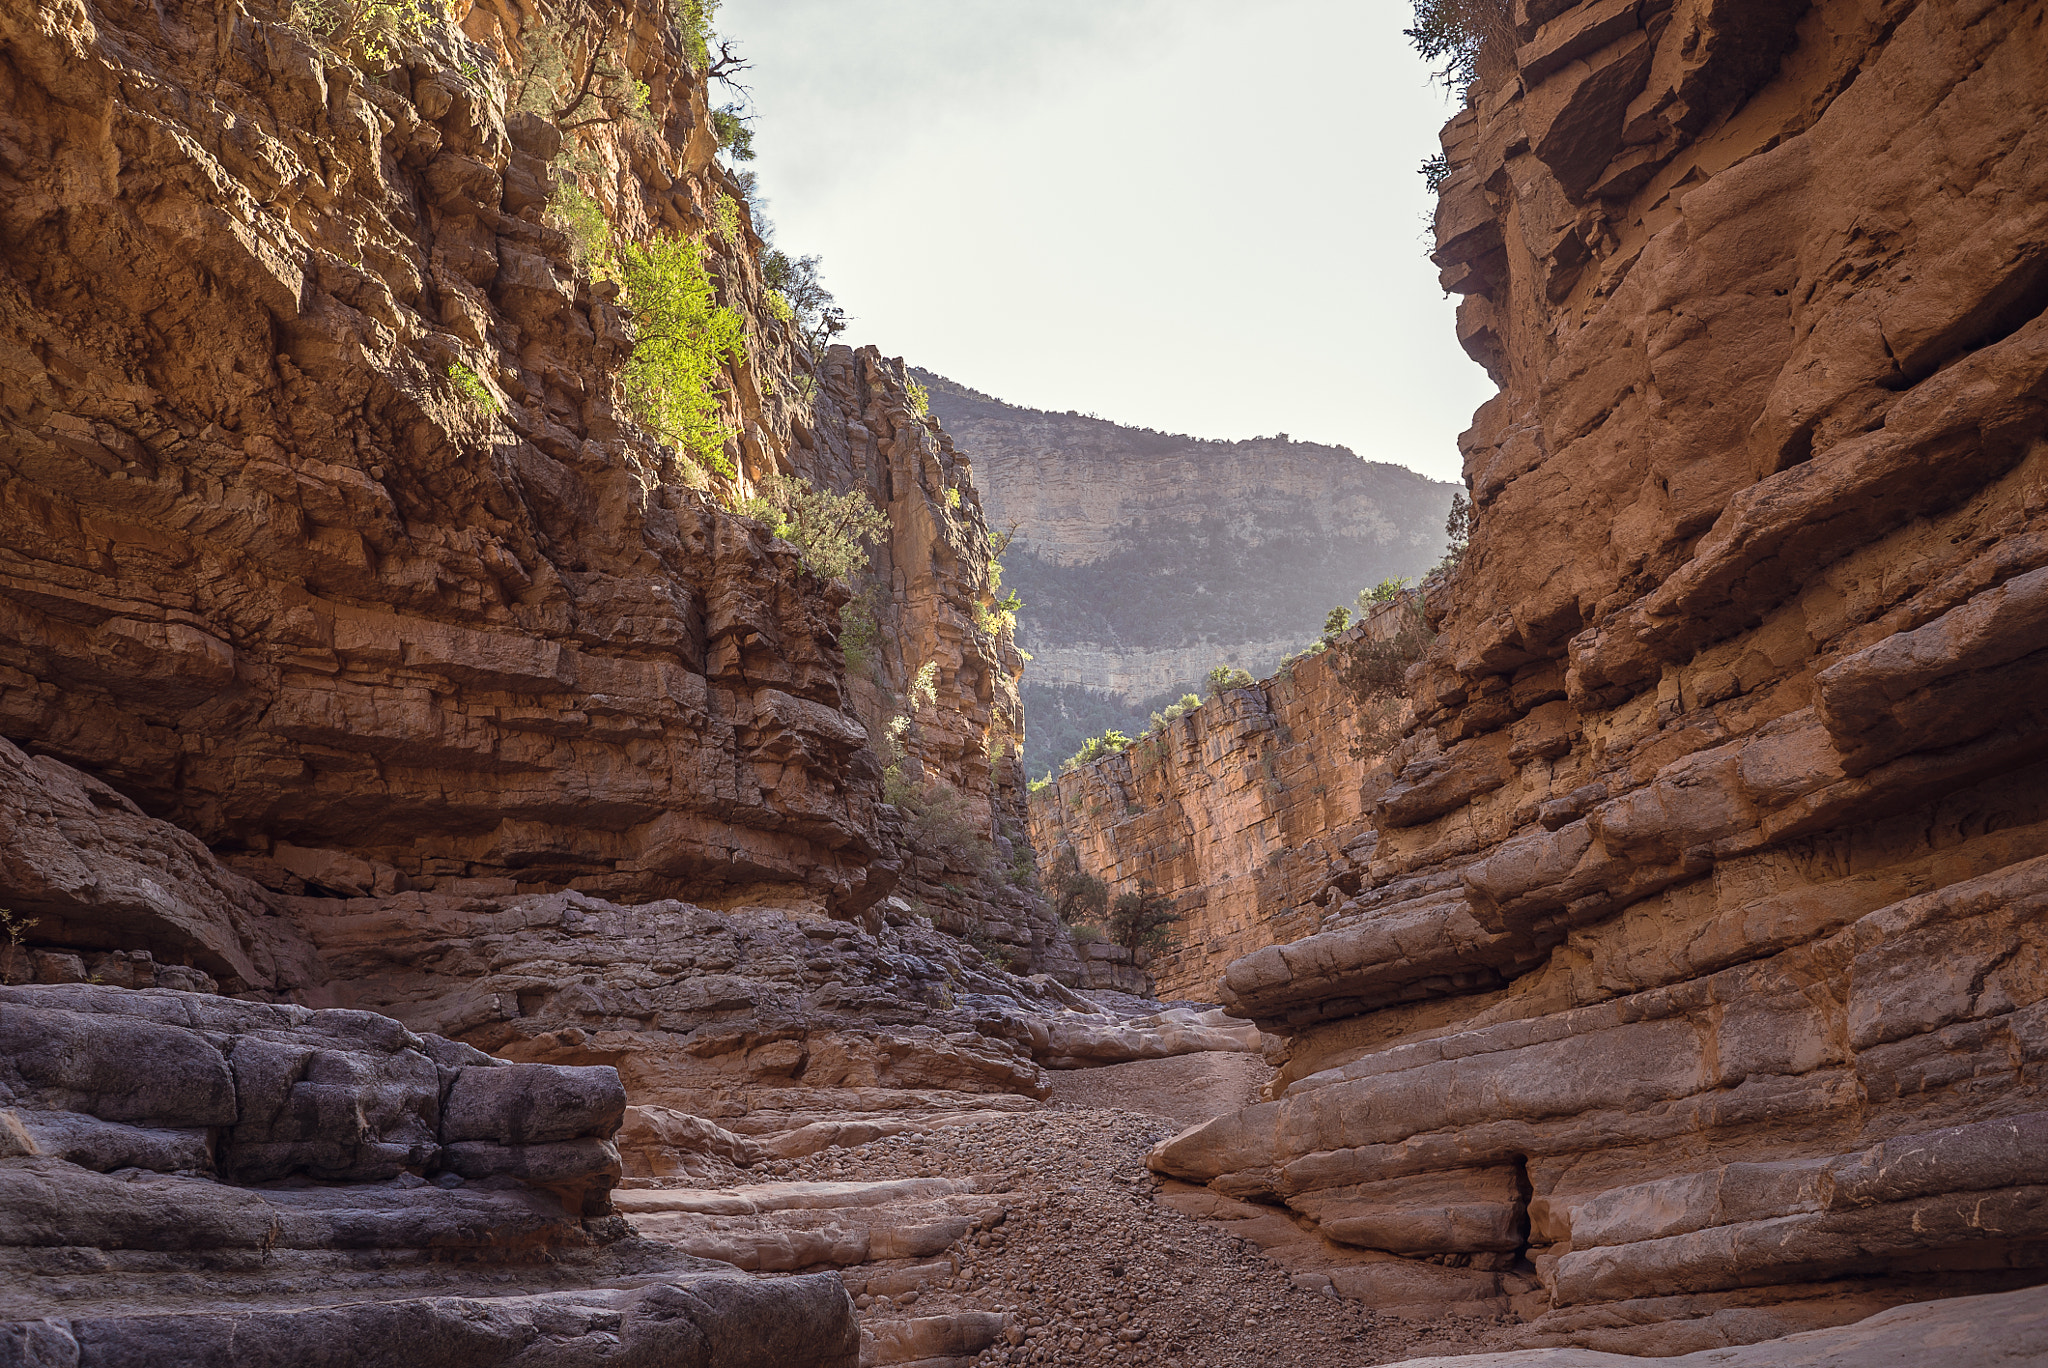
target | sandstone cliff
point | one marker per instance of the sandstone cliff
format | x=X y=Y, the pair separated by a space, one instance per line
x=1252 y=813
x=1145 y=558
x=271 y=575
x=1693 y=988
x=359 y=650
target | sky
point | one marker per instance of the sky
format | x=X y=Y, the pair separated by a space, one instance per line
x=1202 y=216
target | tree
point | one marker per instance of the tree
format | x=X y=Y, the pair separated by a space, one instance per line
x=1338 y=619
x=1143 y=920
x=818 y=318
x=683 y=339
x=1227 y=677
x=1077 y=897
x=828 y=528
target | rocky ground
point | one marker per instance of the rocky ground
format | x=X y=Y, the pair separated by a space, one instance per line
x=1084 y=1264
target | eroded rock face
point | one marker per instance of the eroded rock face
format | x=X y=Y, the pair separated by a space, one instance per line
x=1253 y=813
x=222 y=1171
x=1697 y=969
x=1145 y=558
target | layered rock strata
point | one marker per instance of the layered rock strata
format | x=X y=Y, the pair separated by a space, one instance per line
x=1695 y=979
x=1146 y=558
x=276 y=578
x=1252 y=813
x=188 y=1177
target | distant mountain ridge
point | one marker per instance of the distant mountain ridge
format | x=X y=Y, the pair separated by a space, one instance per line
x=1144 y=558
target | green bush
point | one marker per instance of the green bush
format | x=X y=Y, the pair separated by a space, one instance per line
x=818 y=318
x=940 y=827
x=828 y=528
x=860 y=629
x=1458 y=527
x=1464 y=35
x=1095 y=748
x=1076 y=896
x=921 y=402
x=694 y=18
x=1336 y=621
x=998 y=617
x=735 y=135
x=471 y=386
x=1386 y=591
x=583 y=219
x=1144 y=919
x=684 y=340
x=728 y=219
x=368 y=32
x=1173 y=712
x=1226 y=677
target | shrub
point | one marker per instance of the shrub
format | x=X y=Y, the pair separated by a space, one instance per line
x=827 y=527
x=694 y=17
x=1458 y=527
x=860 y=629
x=1464 y=35
x=999 y=616
x=727 y=219
x=1076 y=896
x=818 y=318
x=1143 y=920
x=941 y=827
x=778 y=307
x=13 y=928
x=921 y=402
x=998 y=953
x=1173 y=712
x=1386 y=591
x=573 y=70
x=684 y=340
x=583 y=219
x=471 y=386
x=369 y=32
x=1095 y=747
x=734 y=133
x=1375 y=673
x=952 y=497
x=1086 y=934
x=1336 y=621
x=1225 y=677
x=1041 y=785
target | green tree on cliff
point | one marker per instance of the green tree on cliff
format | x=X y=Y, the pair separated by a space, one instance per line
x=1078 y=898
x=1143 y=920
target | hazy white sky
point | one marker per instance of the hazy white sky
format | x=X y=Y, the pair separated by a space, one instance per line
x=1197 y=215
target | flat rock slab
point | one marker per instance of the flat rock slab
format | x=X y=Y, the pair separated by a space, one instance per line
x=2006 y=1329
x=716 y=1321
x=1187 y=1089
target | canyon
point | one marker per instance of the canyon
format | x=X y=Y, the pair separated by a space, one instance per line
x=1673 y=980
x=473 y=893
x=1144 y=559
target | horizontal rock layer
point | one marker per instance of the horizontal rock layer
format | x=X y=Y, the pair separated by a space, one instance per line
x=1248 y=813
x=1696 y=966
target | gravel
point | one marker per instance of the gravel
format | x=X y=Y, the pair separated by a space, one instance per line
x=1089 y=1269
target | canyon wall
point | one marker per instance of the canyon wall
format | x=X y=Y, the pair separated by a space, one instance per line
x=1145 y=558
x=1694 y=989
x=1253 y=812
x=271 y=574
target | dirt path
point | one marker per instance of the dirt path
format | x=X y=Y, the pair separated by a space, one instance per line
x=1088 y=1267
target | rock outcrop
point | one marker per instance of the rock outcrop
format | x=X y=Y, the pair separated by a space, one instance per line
x=1693 y=989
x=1144 y=558
x=1252 y=813
x=189 y=1179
